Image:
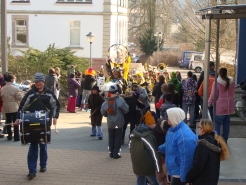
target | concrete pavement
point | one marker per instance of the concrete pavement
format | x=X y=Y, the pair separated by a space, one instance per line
x=76 y=158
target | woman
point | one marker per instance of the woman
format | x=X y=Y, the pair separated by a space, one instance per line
x=224 y=102
x=73 y=86
x=162 y=98
x=210 y=150
x=58 y=74
x=179 y=147
x=11 y=96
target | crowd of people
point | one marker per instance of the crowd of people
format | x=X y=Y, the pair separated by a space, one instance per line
x=164 y=148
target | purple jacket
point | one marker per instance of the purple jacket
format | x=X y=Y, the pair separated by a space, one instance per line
x=73 y=86
x=225 y=98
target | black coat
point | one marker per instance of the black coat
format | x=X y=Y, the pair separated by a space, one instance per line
x=94 y=103
x=157 y=92
x=206 y=164
x=89 y=82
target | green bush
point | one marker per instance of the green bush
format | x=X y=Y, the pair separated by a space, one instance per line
x=33 y=60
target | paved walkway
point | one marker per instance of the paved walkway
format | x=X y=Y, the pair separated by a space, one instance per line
x=76 y=158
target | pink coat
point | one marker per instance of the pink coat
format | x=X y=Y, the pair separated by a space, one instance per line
x=225 y=98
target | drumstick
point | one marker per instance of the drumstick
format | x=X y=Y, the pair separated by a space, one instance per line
x=56 y=131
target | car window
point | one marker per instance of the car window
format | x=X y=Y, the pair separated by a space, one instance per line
x=188 y=55
x=198 y=57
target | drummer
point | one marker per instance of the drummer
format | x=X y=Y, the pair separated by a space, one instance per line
x=36 y=99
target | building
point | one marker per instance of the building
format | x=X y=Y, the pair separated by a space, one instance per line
x=38 y=23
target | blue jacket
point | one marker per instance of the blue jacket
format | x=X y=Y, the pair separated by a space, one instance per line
x=179 y=150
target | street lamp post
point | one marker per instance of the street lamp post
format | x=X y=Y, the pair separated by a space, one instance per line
x=90 y=37
x=158 y=35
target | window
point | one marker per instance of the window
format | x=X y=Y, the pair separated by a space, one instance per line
x=75 y=33
x=75 y=1
x=21 y=1
x=20 y=30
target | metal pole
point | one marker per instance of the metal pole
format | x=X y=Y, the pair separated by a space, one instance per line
x=216 y=68
x=4 y=36
x=206 y=68
x=158 y=48
x=90 y=55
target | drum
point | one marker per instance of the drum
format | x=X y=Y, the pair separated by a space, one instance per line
x=35 y=127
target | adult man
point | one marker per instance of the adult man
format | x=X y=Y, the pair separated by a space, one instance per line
x=39 y=98
x=189 y=97
x=141 y=94
x=201 y=78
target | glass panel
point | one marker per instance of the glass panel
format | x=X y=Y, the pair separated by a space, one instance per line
x=75 y=24
x=20 y=35
x=188 y=55
x=75 y=37
x=20 y=22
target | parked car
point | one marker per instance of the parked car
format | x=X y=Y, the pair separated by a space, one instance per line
x=136 y=59
x=196 y=62
x=185 y=58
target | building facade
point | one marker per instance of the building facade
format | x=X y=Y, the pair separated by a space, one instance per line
x=38 y=23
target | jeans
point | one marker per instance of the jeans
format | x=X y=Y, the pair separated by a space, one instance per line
x=114 y=141
x=176 y=181
x=85 y=95
x=32 y=157
x=142 y=180
x=225 y=120
x=191 y=108
x=97 y=131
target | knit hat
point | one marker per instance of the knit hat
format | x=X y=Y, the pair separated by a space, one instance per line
x=173 y=74
x=113 y=89
x=175 y=115
x=39 y=77
x=149 y=118
x=95 y=87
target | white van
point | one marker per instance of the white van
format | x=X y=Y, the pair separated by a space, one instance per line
x=196 y=62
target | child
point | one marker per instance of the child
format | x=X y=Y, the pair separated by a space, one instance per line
x=168 y=104
x=114 y=109
x=146 y=160
x=95 y=102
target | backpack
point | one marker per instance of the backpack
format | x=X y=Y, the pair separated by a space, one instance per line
x=149 y=118
x=110 y=109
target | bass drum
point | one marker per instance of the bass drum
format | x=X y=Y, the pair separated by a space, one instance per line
x=35 y=127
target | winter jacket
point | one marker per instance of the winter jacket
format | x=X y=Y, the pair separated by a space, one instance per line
x=225 y=98
x=132 y=102
x=159 y=134
x=164 y=107
x=144 y=153
x=189 y=91
x=120 y=107
x=210 y=85
x=89 y=82
x=206 y=163
x=157 y=91
x=73 y=86
x=179 y=149
x=95 y=102
x=11 y=96
x=177 y=84
x=143 y=96
x=201 y=78
x=160 y=101
x=51 y=82
x=35 y=100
